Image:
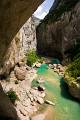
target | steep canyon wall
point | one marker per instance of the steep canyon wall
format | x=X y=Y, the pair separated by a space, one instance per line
x=60 y=30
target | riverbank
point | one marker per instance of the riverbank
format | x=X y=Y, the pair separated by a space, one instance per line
x=43 y=82
x=20 y=81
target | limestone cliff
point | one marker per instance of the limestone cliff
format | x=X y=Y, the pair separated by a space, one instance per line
x=59 y=31
x=13 y=14
x=22 y=42
x=28 y=35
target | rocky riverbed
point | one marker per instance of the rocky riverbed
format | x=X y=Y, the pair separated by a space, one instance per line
x=20 y=81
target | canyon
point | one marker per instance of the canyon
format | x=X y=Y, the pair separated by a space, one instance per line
x=55 y=37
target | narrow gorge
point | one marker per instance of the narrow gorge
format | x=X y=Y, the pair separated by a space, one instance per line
x=40 y=60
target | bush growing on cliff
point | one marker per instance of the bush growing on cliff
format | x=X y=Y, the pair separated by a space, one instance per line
x=32 y=57
x=12 y=96
x=75 y=51
x=74 y=68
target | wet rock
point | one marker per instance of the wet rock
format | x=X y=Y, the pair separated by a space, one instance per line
x=55 y=65
x=40 y=80
x=42 y=94
x=51 y=66
x=73 y=85
x=41 y=88
x=38 y=65
x=74 y=89
x=35 y=88
x=49 y=102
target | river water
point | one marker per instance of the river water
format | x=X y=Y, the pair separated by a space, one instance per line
x=66 y=108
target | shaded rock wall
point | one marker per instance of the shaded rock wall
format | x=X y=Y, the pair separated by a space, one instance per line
x=13 y=14
x=7 y=110
x=60 y=30
x=19 y=46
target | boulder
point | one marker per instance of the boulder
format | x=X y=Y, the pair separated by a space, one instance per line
x=55 y=65
x=74 y=89
x=41 y=88
x=20 y=73
x=38 y=65
x=40 y=80
x=40 y=100
x=51 y=66
x=73 y=85
x=61 y=69
x=49 y=102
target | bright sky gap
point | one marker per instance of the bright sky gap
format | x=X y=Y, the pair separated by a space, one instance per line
x=43 y=9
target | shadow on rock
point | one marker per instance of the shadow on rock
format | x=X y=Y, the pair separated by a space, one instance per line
x=7 y=110
x=65 y=92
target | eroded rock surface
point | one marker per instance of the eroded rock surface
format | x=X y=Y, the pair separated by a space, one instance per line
x=59 y=31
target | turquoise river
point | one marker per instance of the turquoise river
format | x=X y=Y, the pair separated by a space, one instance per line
x=66 y=108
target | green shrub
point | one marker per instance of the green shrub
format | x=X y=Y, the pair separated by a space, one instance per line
x=74 y=68
x=12 y=96
x=16 y=82
x=32 y=57
x=34 y=83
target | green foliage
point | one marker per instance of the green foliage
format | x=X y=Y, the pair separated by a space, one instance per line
x=74 y=68
x=34 y=83
x=12 y=96
x=16 y=82
x=32 y=57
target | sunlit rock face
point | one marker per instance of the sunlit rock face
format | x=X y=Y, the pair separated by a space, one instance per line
x=28 y=35
x=60 y=30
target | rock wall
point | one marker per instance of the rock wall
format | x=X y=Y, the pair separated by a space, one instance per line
x=60 y=30
x=28 y=35
x=23 y=41
x=13 y=14
x=7 y=110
